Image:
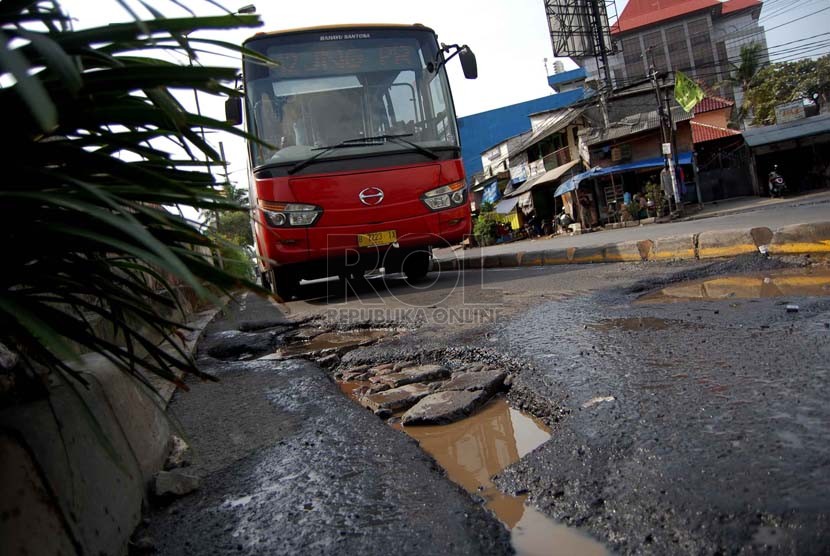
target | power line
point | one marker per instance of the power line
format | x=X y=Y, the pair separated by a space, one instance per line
x=788 y=6
x=784 y=55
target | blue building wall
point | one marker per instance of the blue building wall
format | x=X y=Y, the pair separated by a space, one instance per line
x=578 y=74
x=485 y=129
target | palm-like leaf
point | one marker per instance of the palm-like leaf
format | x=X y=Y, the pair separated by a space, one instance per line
x=88 y=239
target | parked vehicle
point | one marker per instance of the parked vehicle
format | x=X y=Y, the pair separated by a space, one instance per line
x=777 y=186
x=564 y=221
x=361 y=166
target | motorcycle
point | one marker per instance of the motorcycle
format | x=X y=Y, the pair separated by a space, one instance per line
x=777 y=186
x=563 y=221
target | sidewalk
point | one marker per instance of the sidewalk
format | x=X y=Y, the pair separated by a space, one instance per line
x=740 y=214
x=748 y=204
x=811 y=238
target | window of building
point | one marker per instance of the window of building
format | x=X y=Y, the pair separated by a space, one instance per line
x=633 y=57
x=702 y=53
x=655 y=51
x=678 y=48
x=723 y=65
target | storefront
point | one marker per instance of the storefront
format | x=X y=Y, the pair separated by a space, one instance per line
x=601 y=192
x=800 y=149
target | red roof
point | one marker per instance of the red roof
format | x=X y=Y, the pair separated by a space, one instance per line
x=642 y=13
x=712 y=102
x=733 y=6
x=705 y=132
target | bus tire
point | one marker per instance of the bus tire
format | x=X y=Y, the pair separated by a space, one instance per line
x=283 y=283
x=416 y=265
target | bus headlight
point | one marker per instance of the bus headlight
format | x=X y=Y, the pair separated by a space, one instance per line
x=446 y=196
x=281 y=215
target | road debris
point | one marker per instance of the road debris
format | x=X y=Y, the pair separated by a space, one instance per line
x=598 y=400
x=174 y=483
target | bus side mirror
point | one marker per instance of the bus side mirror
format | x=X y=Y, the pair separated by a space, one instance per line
x=468 y=62
x=233 y=110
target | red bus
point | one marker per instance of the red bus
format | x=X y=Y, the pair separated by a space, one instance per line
x=363 y=164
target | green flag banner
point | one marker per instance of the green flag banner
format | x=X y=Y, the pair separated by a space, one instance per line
x=687 y=93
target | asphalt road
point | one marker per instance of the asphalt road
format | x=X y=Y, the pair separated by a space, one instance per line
x=695 y=427
x=775 y=216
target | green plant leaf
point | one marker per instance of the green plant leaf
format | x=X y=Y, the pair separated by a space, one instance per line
x=29 y=88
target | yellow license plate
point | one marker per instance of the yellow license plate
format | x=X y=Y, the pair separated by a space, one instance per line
x=376 y=239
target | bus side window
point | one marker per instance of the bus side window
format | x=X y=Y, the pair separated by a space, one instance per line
x=441 y=127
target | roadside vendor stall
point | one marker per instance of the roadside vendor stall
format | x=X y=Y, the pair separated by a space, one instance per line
x=609 y=185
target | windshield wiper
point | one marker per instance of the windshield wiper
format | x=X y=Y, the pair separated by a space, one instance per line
x=363 y=142
x=323 y=150
x=399 y=139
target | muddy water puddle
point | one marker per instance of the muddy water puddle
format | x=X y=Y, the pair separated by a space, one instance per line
x=349 y=387
x=333 y=341
x=474 y=449
x=786 y=283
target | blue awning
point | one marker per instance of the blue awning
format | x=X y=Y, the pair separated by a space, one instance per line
x=573 y=183
x=506 y=206
x=569 y=185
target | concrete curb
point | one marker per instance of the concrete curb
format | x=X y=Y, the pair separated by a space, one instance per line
x=798 y=239
x=75 y=468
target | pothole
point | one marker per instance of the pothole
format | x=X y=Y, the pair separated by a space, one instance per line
x=479 y=435
x=332 y=341
x=783 y=283
x=475 y=449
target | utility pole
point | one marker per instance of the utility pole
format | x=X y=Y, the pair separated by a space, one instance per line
x=664 y=114
x=675 y=154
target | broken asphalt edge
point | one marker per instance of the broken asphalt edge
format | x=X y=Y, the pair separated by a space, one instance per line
x=796 y=239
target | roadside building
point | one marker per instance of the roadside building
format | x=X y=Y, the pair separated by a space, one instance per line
x=626 y=159
x=800 y=149
x=488 y=185
x=541 y=161
x=481 y=132
x=698 y=37
x=564 y=81
x=721 y=153
x=526 y=169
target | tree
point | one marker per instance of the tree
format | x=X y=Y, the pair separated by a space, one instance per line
x=95 y=147
x=743 y=73
x=786 y=82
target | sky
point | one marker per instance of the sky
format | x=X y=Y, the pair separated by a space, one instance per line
x=509 y=37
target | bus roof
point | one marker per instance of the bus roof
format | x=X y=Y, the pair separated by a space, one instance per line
x=343 y=27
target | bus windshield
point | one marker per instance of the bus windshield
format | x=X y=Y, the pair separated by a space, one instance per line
x=334 y=86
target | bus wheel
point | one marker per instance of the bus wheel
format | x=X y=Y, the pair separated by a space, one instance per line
x=416 y=265
x=283 y=283
x=265 y=280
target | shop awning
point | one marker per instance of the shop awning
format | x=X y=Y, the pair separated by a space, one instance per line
x=657 y=162
x=758 y=136
x=506 y=206
x=481 y=185
x=547 y=177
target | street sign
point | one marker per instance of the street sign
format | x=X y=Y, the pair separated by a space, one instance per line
x=666 y=148
x=789 y=112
